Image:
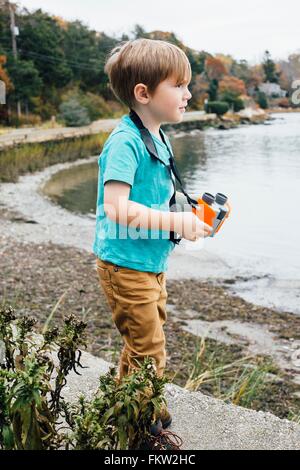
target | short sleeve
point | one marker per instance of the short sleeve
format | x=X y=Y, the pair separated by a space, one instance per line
x=121 y=159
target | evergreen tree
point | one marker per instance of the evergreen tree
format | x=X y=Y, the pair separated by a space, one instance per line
x=271 y=75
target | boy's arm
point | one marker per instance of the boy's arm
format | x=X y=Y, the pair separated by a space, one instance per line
x=120 y=209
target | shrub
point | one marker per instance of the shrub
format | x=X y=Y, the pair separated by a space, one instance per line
x=262 y=100
x=218 y=107
x=31 y=383
x=95 y=106
x=238 y=105
x=29 y=405
x=121 y=412
x=233 y=100
x=73 y=113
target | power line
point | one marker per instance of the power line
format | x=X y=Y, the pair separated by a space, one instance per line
x=46 y=58
x=14 y=31
x=61 y=60
x=87 y=65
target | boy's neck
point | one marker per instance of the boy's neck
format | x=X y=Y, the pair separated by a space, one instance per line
x=149 y=122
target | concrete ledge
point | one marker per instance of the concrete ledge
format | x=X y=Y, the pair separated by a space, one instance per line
x=201 y=421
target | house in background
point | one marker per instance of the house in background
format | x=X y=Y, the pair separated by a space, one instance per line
x=272 y=90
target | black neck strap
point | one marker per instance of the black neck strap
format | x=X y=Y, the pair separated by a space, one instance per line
x=150 y=145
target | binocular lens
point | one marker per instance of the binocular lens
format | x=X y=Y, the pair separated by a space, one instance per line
x=221 y=198
x=208 y=198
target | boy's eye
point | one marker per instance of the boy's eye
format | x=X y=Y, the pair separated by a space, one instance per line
x=182 y=84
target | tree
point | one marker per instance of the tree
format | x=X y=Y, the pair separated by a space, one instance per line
x=41 y=38
x=227 y=61
x=215 y=69
x=199 y=90
x=251 y=76
x=139 y=32
x=86 y=52
x=26 y=80
x=213 y=89
x=262 y=100
x=290 y=70
x=271 y=74
x=197 y=60
x=230 y=90
x=256 y=76
x=233 y=85
x=5 y=33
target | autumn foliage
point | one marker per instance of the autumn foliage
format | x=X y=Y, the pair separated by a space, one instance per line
x=3 y=74
x=233 y=85
x=215 y=69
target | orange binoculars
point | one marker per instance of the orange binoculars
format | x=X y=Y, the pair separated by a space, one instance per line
x=213 y=210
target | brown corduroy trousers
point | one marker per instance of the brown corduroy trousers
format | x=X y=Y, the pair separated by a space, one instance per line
x=137 y=300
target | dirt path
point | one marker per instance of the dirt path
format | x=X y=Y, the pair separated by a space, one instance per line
x=32 y=135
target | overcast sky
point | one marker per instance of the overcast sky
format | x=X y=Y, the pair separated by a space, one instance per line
x=244 y=29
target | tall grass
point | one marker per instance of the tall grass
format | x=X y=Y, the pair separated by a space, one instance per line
x=239 y=382
x=26 y=158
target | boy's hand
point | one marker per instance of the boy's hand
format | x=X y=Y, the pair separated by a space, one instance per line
x=190 y=227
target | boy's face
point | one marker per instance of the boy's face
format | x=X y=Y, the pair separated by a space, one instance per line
x=169 y=100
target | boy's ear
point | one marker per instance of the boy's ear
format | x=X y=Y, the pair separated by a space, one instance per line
x=141 y=93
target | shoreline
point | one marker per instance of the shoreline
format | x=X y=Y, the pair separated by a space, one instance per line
x=28 y=215
x=191 y=120
x=37 y=276
x=32 y=226
x=53 y=223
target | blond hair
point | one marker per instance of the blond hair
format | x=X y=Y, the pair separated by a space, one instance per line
x=147 y=61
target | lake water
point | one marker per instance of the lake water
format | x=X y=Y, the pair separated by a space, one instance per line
x=258 y=167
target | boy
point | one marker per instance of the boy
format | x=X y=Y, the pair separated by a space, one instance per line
x=134 y=220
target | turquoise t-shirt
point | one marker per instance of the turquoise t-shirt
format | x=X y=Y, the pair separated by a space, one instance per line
x=124 y=157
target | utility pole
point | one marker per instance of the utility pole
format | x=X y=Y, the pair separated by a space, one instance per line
x=14 y=33
x=13 y=28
